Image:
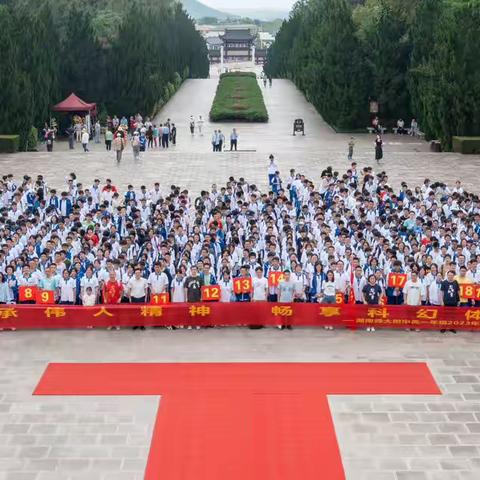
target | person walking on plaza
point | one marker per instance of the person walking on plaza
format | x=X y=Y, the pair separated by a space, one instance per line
x=136 y=146
x=233 y=140
x=71 y=137
x=78 y=131
x=118 y=145
x=378 y=148
x=272 y=169
x=108 y=139
x=214 y=140
x=192 y=125
x=200 y=123
x=98 y=131
x=351 y=144
x=85 y=139
x=221 y=141
x=165 y=135
x=173 y=134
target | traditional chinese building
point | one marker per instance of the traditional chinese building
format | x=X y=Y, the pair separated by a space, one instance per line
x=238 y=45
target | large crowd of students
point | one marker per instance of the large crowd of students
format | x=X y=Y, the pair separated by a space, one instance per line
x=337 y=234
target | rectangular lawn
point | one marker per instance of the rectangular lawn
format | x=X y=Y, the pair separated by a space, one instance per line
x=238 y=97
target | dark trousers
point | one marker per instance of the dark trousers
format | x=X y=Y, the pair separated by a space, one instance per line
x=272 y=297
x=137 y=299
x=165 y=140
x=233 y=145
x=108 y=145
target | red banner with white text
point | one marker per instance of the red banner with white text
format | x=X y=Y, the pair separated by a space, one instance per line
x=239 y=314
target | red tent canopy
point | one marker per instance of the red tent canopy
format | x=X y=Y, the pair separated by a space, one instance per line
x=74 y=104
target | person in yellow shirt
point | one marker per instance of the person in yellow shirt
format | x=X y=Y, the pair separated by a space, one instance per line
x=462 y=279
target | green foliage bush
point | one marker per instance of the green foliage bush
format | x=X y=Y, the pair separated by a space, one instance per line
x=9 y=143
x=238 y=97
x=32 y=140
x=466 y=145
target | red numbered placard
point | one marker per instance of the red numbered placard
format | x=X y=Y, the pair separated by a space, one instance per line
x=159 y=298
x=27 y=294
x=397 y=280
x=242 y=285
x=45 y=297
x=477 y=292
x=339 y=298
x=274 y=278
x=210 y=293
x=468 y=291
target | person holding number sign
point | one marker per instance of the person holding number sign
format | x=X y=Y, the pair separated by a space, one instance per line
x=463 y=279
x=244 y=296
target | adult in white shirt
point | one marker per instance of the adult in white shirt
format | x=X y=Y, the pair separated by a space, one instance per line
x=137 y=287
x=66 y=289
x=260 y=286
x=359 y=282
x=413 y=290
x=157 y=280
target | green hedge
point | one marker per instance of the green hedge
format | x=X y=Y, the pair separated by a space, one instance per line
x=238 y=97
x=9 y=143
x=466 y=145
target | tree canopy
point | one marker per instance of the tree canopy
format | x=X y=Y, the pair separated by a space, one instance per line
x=128 y=56
x=417 y=58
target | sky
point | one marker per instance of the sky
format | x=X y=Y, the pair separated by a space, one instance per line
x=257 y=4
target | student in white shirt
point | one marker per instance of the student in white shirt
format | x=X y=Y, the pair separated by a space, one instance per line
x=178 y=288
x=260 y=286
x=66 y=289
x=435 y=291
x=89 y=298
x=413 y=290
x=226 y=287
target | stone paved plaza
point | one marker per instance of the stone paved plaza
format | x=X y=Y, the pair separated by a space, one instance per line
x=108 y=438
x=191 y=164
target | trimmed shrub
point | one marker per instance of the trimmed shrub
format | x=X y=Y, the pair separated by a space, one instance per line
x=9 y=143
x=466 y=145
x=238 y=97
x=32 y=140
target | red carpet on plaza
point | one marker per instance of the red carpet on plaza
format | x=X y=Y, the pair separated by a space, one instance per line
x=241 y=421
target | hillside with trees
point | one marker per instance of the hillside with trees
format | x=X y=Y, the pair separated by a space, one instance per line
x=128 y=56
x=417 y=58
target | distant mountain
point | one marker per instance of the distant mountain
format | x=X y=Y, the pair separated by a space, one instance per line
x=197 y=9
x=259 y=13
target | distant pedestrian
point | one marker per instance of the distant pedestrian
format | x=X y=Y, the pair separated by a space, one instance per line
x=173 y=134
x=214 y=140
x=165 y=135
x=49 y=137
x=351 y=144
x=136 y=145
x=85 y=140
x=108 y=139
x=221 y=141
x=98 y=131
x=71 y=137
x=192 y=125
x=200 y=123
x=378 y=148
x=272 y=169
x=150 y=136
x=119 y=145
x=233 y=140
